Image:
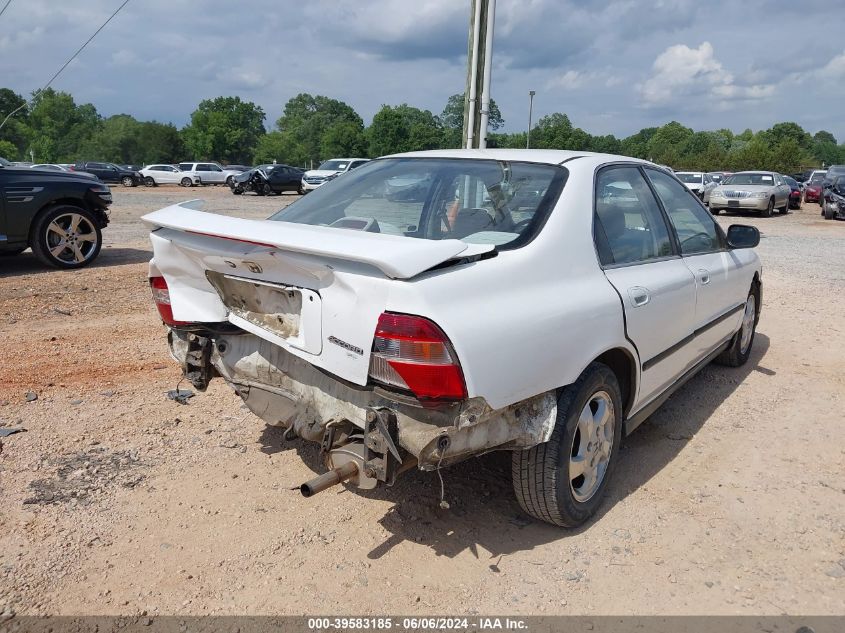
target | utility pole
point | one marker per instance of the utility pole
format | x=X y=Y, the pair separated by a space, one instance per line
x=479 y=70
x=531 y=94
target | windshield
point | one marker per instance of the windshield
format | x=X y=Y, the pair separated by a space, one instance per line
x=818 y=177
x=690 y=178
x=477 y=201
x=750 y=179
x=334 y=165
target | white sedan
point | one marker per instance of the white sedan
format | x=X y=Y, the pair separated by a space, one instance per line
x=536 y=301
x=155 y=175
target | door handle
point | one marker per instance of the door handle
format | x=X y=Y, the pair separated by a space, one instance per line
x=639 y=296
x=704 y=276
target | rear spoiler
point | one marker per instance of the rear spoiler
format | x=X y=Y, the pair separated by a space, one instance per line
x=398 y=257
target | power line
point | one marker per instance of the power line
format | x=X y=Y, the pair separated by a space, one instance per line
x=67 y=63
x=81 y=48
x=5 y=6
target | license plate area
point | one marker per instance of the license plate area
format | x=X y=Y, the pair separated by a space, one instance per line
x=733 y=203
x=285 y=315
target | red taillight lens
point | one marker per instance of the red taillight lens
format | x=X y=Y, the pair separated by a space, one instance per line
x=412 y=353
x=161 y=297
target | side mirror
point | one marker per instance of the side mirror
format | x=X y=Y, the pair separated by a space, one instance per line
x=743 y=236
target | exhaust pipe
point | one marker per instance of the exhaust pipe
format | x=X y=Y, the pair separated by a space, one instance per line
x=329 y=479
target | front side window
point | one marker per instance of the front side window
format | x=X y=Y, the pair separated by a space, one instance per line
x=629 y=227
x=478 y=201
x=695 y=227
x=186 y=166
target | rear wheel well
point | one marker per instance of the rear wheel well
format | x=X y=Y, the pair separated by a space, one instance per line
x=621 y=363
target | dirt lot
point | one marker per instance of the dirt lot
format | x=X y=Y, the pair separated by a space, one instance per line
x=730 y=499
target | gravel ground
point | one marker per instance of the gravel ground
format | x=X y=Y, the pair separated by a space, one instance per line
x=729 y=500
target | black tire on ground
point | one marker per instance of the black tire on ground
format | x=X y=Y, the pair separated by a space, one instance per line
x=45 y=240
x=267 y=190
x=541 y=475
x=11 y=252
x=149 y=182
x=237 y=191
x=127 y=181
x=301 y=190
x=715 y=211
x=770 y=208
x=186 y=182
x=230 y=180
x=829 y=213
x=739 y=348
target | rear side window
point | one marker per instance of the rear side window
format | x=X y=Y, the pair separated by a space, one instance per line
x=694 y=225
x=629 y=227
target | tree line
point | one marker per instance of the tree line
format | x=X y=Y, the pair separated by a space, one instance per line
x=52 y=127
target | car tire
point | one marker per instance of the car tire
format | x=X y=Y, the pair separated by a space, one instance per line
x=237 y=191
x=301 y=190
x=149 y=182
x=83 y=243
x=739 y=348
x=715 y=211
x=770 y=208
x=267 y=190
x=186 y=182
x=127 y=181
x=230 y=180
x=785 y=208
x=829 y=213
x=542 y=478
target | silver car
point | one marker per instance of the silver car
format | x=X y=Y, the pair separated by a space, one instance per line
x=762 y=191
x=699 y=183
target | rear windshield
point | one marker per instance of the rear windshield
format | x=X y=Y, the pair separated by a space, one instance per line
x=477 y=201
x=750 y=179
x=818 y=177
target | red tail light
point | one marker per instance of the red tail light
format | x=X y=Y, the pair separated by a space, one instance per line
x=161 y=297
x=412 y=353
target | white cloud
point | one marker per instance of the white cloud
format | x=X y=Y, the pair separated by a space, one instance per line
x=683 y=72
x=835 y=67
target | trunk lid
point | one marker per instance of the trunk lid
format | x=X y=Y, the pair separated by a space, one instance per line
x=315 y=291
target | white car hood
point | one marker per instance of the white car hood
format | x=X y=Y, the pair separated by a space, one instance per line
x=322 y=172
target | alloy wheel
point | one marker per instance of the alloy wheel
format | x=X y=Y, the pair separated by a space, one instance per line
x=591 y=447
x=71 y=238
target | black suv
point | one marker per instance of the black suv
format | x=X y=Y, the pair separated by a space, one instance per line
x=109 y=172
x=58 y=214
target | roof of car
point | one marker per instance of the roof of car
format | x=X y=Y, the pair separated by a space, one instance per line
x=549 y=156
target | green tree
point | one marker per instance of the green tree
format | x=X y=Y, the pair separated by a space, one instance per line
x=665 y=146
x=159 y=143
x=607 y=144
x=636 y=145
x=281 y=147
x=788 y=130
x=343 y=139
x=8 y=150
x=308 y=118
x=59 y=127
x=225 y=129
x=15 y=131
x=452 y=120
x=403 y=128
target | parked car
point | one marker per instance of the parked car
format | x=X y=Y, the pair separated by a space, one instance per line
x=59 y=215
x=762 y=191
x=419 y=334
x=832 y=173
x=163 y=174
x=64 y=168
x=328 y=170
x=813 y=186
x=237 y=168
x=4 y=162
x=210 y=173
x=699 y=183
x=109 y=172
x=265 y=180
x=834 y=207
x=796 y=192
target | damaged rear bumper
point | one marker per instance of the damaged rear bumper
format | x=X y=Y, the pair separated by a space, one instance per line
x=286 y=391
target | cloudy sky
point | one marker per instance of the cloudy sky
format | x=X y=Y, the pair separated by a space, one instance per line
x=614 y=66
